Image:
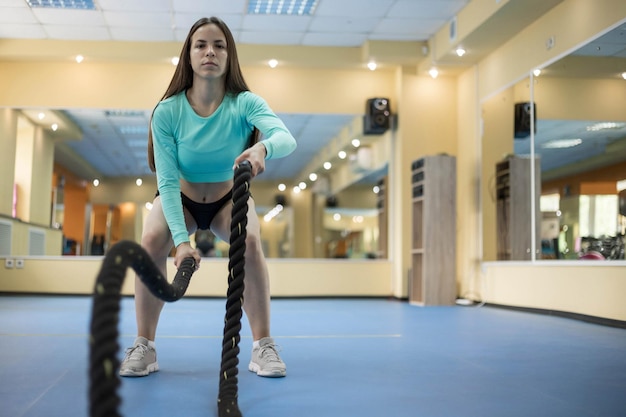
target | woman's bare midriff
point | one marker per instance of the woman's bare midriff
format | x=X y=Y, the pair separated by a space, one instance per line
x=205 y=192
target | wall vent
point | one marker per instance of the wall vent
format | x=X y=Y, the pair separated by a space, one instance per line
x=36 y=242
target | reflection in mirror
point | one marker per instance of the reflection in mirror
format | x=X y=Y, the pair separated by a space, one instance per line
x=506 y=179
x=581 y=142
x=102 y=188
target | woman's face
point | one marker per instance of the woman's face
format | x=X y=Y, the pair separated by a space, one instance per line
x=208 y=53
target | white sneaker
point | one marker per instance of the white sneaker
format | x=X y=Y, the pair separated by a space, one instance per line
x=265 y=360
x=140 y=360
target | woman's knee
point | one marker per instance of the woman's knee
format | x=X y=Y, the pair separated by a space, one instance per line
x=156 y=244
x=254 y=247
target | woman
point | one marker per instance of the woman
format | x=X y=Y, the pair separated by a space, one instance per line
x=206 y=124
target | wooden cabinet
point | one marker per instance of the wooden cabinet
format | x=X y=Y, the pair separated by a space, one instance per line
x=514 y=208
x=433 y=280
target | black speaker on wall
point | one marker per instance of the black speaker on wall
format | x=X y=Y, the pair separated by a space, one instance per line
x=522 y=119
x=377 y=116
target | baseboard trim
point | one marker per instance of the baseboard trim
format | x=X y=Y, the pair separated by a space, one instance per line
x=565 y=314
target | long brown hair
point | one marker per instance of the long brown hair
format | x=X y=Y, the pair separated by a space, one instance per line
x=182 y=79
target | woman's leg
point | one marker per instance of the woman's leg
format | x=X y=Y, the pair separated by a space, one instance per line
x=141 y=359
x=256 y=294
x=157 y=242
x=265 y=360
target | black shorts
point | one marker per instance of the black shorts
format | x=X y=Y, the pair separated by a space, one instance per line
x=204 y=213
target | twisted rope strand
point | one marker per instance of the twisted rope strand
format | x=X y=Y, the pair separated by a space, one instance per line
x=227 y=397
x=104 y=379
x=103 y=346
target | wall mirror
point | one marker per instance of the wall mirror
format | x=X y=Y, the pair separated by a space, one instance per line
x=106 y=170
x=579 y=144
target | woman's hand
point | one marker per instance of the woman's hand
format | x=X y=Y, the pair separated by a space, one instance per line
x=183 y=251
x=256 y=156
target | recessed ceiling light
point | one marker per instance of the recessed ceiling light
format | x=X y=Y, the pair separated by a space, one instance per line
x=63 y=4
x=272 y=63
x=283 y=7
x=536 y=72
x=433 y=72
x=372 y=65
x=460 y=51
x=80 y=58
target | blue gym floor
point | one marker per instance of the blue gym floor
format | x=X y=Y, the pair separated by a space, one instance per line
x=345 y=357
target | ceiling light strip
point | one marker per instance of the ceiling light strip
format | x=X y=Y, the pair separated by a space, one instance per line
x=282 y=7
x=62 y=4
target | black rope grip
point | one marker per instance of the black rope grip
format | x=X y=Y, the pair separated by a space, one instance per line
x=103 y=345
x=227 y=405
x=104 y=380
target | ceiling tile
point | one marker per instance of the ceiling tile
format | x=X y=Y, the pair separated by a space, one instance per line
x=22 y=31
x=211 y=8
x=16 y=15
x=283 y=38
x=76 y=32
x=426 y=9
x=12 y=3
x=354 y=8
x=275 y=23
x=148 y=34
x=138 y=19
x=68 y=17
x=342 y=24
x=151 y=6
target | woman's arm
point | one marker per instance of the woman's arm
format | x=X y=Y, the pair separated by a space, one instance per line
x=168 y=177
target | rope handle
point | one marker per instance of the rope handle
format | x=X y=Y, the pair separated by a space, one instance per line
x=104 y=379
x=227 y=405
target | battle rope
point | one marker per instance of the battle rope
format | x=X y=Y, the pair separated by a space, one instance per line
x=103 y=347
x=227 y=405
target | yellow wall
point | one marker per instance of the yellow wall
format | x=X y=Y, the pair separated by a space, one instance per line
x=288 y=278
x=441 y=115
x=589 y=289
x=542 y=284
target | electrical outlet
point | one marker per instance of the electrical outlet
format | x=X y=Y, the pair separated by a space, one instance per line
x=19 y=263
x=9 y=263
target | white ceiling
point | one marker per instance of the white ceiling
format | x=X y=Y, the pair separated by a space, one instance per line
x=111 y=150
x=334 y=22
x=340 y=23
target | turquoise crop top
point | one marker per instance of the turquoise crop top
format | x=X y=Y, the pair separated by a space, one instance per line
x=203 y=149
